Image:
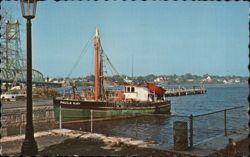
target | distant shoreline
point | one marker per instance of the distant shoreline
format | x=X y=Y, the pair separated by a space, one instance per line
x=158 y=79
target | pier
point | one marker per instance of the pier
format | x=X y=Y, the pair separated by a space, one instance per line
x=185 y=91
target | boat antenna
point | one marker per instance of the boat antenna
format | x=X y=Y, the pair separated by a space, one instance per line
x=132 y=66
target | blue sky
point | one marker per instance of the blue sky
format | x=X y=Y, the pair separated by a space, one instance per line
x=161 y=37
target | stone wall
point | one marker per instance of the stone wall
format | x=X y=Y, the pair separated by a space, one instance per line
x=14 y=120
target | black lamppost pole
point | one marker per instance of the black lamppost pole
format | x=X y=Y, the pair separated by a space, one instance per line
x=29 y=146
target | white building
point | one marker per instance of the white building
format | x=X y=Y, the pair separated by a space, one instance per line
x=225 y=81
x=127 y=80
x=159 y=79
x=237 y=80
x=137 y=93
x=208 y=79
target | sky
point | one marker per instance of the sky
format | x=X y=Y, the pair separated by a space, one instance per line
x=156 y=37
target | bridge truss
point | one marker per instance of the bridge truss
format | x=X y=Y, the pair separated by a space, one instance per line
x=12 y=57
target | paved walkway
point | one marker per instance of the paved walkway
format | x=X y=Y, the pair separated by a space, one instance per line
x=56 y=138
x=213 y=145
x=12 y=145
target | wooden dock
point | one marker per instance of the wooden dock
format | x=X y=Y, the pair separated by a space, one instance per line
x=185 y=91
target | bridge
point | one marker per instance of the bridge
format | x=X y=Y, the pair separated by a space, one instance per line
x=12 y=64
x=20 y=75
x=16 y=76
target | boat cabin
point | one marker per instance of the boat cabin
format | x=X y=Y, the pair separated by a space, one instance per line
x=140 y=93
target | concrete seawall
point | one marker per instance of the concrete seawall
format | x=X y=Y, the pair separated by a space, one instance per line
x=14 y=120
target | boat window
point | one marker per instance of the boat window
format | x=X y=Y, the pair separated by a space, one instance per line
x=128 y=89
x=132 y=89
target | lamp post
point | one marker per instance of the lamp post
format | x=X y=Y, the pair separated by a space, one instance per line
x=29 y=146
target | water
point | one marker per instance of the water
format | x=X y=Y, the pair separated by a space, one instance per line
x=218 y=97
x=160 y=128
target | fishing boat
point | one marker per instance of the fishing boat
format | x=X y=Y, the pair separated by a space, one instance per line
x=129 y=100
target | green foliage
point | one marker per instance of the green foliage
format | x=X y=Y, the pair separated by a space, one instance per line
x=170 y=79
x=90 y=78
x=140 y=79
x=150 y=78
x=118 y=79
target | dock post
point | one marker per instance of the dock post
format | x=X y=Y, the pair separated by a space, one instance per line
x=225 y=121
x=60 y=117
x=91 y=121
x=191 y=131
x=180 y=135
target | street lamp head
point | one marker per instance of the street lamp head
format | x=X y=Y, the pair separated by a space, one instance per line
x=28 y=8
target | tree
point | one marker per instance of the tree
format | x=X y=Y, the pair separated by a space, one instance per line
x=118 y=79
x=141 y=79
x=150 y=78
x=90 y=78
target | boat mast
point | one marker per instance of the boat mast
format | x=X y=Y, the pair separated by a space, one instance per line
x=101 y=88
x=96 y=64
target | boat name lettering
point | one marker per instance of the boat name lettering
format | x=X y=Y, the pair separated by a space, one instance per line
x=70 y=103
x=65 y=102
x=76 y=103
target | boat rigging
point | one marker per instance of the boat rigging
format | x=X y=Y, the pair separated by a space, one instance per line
x=128 y=99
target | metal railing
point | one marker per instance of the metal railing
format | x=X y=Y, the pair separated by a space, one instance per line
x=200 y=127
x=218 y=123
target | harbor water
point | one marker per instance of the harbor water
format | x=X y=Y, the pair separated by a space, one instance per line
x=218 y=97
x=159 y=129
